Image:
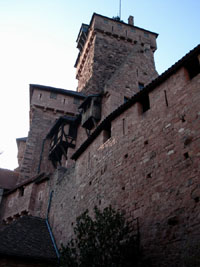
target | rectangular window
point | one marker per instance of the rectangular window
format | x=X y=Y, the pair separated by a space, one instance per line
x=193 y=67
x=107 y=132
x=123 y=125
x=21 y=191
x=144 y=103
x=53 y=95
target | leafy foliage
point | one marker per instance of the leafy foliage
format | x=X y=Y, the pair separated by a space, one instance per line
x=104 y=241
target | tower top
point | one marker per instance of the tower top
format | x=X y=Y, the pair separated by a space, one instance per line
x=103 y=46
x=106 y=24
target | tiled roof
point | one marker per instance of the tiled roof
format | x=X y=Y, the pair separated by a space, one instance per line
x=56 y=90
x=27 y=238
x=150 y=87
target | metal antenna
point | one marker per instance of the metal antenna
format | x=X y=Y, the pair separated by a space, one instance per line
x=120 y=6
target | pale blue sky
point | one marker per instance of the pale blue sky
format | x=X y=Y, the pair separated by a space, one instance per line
x=37 y=45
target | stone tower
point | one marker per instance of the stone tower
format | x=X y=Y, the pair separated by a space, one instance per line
x=108 y=50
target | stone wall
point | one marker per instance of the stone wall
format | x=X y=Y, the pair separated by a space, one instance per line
x=149 y=168
x=41 y=123
x=109 y=45
x=31 y=199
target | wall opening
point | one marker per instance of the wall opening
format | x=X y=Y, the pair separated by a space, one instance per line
x=21 y=191
x=107 y=132
x=166 y=99
x=193 y=67
x=144 y=103
x=123 y=126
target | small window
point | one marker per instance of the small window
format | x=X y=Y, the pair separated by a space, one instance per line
x=126 y=99
x=133 y=30
x=193 y=67
x=53 y=95
x=146 y=34
x=76 y=101
x=21 y=191
x=40 y=96
x=107 y=132
x=145 y=103
x=140 y=86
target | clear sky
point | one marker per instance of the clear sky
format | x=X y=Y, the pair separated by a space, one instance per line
x=38 y=45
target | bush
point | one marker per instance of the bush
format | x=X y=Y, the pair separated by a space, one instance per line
x=104 y=241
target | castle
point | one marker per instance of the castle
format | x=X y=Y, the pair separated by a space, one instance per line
x=127 y=138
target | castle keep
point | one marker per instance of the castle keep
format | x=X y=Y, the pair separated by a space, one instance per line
x=127 y=138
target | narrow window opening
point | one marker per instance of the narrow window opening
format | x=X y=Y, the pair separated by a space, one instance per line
x=123 y=125
x=112 y=28
x=193 y=67
x=64 y=100
x=21 y=191
x=166 y=100
x=145 y=104
x=40 y=96
x=89 y=161
x=107 y=132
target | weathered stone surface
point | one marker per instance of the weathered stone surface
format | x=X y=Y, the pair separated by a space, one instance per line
x=148 y=166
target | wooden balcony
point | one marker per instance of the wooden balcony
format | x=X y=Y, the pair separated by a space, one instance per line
x=63 y=136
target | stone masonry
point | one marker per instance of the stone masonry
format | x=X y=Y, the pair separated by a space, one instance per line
x=140 y=156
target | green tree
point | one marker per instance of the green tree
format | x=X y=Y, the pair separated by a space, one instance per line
x=104 y=241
